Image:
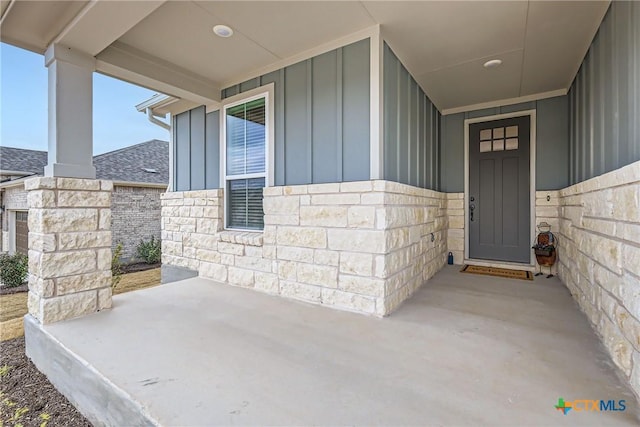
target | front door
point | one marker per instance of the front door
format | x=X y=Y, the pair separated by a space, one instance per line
x=498 y=207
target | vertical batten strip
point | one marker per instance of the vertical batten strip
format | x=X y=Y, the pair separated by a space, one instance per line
x=339 y=115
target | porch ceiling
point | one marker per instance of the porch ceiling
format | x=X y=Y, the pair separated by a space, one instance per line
x=443 y=44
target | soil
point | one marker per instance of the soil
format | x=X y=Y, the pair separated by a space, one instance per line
x=5 y=290
x=27 y=397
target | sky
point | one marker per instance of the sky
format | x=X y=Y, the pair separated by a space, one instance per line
x=23 y=106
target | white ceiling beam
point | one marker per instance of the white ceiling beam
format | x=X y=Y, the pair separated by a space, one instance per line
x=130 y=64
x=101 y=22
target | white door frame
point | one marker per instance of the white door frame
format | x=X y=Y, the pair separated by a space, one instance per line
x=532 y=178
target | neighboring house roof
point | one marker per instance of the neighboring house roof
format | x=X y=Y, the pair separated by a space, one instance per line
x=136 y=163
x=147 y=162
x=23 y=161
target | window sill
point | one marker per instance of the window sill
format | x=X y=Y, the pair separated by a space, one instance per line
x=250 y=238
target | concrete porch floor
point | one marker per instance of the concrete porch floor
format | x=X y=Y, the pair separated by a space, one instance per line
x=465 y=350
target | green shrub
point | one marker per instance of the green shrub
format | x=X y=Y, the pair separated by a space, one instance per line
x=116 y=266
x=150 y=251
x=13 y=269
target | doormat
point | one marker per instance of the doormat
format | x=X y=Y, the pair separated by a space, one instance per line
x=499 y=272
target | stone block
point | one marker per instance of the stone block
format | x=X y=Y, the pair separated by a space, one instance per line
x=348 y=301
x=104 y=220
x=372 y=199
x=41 y=199
x=230 y=248
x=354 y=240
x=267 y=282
x=287 y=270
x=44 y=288
x=631 y=259
x=356 y=187
x=84 y=240
x=83 y=282
x=253 y=263
x=618 y=347
x=295 y=254
x=305 y=237
x=78 y=184
x=240 y=277
x=271 y=191
x=281 y=205
x=325 y=257
x=33 y=305
x=62 y=220
x=68 y=306
x=282 y=219
x=319 y=275
x=40 y=182
x=172 y=248
x=626 y=203
x=294 y=190
x=396 y=238
x=42 y=242
x=208 y=256
x=301 y=291
x=104 y=298
x=336 y=198
x=356 y=263
x=323 y=216
x=456 y=222
x=106 y=185
x=104 y=259
x=362 y=217
x=59 y=264
x=361 y=285
x=213 y=271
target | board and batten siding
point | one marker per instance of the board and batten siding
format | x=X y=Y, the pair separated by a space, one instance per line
x=196 y=150
x=552 y=143
x=321 y=116
x=605 y=97
x=411 y=128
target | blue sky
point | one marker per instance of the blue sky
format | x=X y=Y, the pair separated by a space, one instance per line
x=23 y=106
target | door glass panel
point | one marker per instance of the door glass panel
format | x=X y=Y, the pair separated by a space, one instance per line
x=511 y=144
x=498 y=144
x=512 y=131
x=485 y=146
x=485 y=134
x=498 y=133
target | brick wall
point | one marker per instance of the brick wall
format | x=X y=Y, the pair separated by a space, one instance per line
x=135 y=215
x=361 y=246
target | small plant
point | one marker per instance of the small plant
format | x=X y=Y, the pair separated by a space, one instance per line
x=13 y=269
x=150 y=251
x=116 y=266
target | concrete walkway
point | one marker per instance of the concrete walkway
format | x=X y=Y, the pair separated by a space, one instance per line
x=465 y=350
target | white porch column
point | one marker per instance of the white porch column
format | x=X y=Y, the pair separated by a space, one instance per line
x=70 y=113
x=69 y=210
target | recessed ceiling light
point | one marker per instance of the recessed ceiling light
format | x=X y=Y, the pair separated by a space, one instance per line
x=222 y=31
x=493 y=63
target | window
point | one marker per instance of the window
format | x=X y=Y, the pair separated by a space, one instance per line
x=246 y=145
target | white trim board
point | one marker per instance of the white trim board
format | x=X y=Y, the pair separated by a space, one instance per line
x=532 y=179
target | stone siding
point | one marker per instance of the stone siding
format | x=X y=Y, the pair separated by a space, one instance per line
x=69 y=247
x=599 y=254
x=361 y=246
x=455 y=232
x=135 y=215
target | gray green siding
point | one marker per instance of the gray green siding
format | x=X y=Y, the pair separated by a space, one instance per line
x=411 y=128
x=605 y=97
x=321 y=116
x=552 y=143
x=196 y=150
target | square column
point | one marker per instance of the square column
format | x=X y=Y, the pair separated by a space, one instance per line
x=69 y=247
x=70 y=113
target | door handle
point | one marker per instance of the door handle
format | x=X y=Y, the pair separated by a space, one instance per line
x=471 y=209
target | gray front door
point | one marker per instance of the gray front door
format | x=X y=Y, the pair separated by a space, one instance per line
x=499 y=190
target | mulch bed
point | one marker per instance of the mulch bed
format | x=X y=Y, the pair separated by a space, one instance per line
x=139 y=266
x=5 y=290
x=23 y=386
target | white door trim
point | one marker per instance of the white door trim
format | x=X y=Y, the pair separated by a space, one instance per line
x=532 y=176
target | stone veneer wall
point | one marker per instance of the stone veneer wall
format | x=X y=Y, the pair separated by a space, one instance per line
x=135 y=215
x=455 y=233
x=69 y=247
x=361 y=246
x=599 y=257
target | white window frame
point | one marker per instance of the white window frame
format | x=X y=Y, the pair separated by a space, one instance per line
x=267 y=92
